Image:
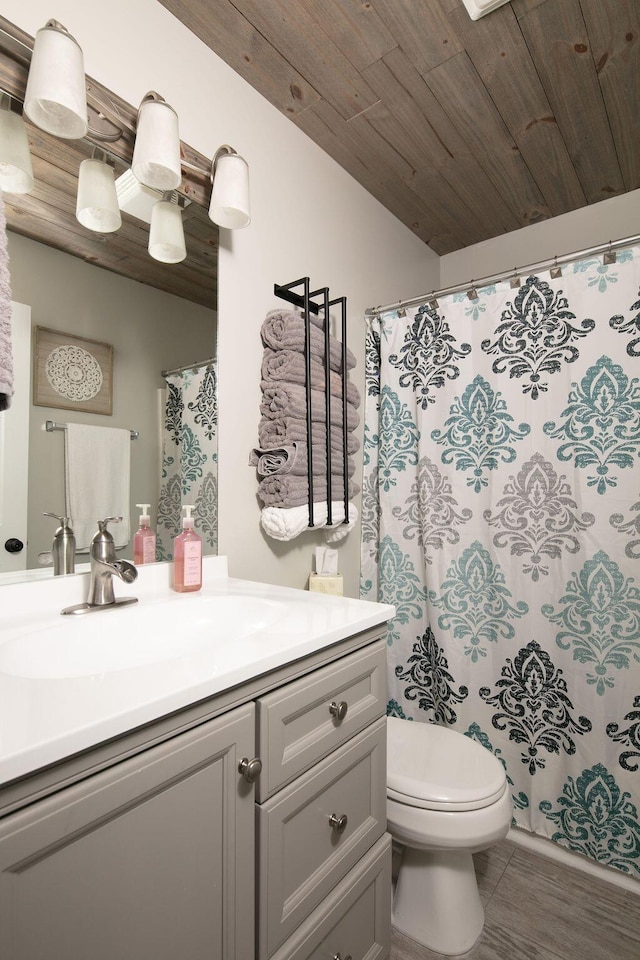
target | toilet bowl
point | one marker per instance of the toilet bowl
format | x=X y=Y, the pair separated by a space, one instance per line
x=447 y=798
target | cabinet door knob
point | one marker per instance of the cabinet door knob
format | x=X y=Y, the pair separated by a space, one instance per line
x=250 y=769
x=338 y=823
x=338 y=710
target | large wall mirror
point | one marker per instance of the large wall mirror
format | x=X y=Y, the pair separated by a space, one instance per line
x=106 y=288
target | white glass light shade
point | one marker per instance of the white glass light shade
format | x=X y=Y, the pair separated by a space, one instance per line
x=56 y=97
x=229 y=205
x=16 y=173
x=97 y=203
x=156 y=152
x=166 y=234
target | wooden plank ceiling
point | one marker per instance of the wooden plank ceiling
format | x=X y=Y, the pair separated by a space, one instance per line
x=465 y=130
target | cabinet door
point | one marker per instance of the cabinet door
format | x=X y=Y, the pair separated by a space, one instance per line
x=152 y=858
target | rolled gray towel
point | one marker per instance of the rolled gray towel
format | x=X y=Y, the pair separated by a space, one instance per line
x=282 y=312
x=289 y=365
x=291 y=491
x=292 y=459
x=284 y=330
x=286 y=430
x=282 y=399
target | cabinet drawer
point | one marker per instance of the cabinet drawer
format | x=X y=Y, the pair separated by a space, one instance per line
x=296 y=725
x=354 y=920
x=301 y=855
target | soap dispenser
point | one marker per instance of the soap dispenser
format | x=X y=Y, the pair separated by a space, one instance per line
x=187 y=557
x=144 y=540
x=63 y=550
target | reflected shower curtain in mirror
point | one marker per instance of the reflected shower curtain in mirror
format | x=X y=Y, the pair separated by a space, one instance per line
x=189 y=458
x=501 y=516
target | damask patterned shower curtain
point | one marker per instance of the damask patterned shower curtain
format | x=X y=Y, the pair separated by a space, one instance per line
x=189 y=458
x=501 y=516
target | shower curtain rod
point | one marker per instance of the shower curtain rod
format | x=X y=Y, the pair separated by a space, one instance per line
x=506 y=274
x=188 y=366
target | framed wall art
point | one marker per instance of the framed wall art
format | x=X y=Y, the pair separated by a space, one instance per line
x=72 y=373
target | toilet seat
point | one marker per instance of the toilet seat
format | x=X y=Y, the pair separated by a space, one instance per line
x=436 y=768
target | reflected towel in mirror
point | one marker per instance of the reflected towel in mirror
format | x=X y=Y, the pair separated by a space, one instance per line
x=6 y=344
x=97 y=481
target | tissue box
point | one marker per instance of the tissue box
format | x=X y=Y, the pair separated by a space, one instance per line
x=326 y=583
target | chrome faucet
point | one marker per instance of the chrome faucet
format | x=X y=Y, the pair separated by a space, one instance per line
x=104 y=565
x=63 y=550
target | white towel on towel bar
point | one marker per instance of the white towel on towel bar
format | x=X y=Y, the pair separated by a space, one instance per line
x=97 y=475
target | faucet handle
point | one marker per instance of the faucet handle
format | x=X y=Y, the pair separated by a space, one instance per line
x=63 y=521
x=102 y=524
x=102 y=531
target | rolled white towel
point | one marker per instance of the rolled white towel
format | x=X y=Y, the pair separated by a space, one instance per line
x=282 y=523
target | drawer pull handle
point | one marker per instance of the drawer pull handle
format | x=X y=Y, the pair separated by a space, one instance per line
x=338 y=710
x=338 y=823
x=250 y=769
x=338 y=956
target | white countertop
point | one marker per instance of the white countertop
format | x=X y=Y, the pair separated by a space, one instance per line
x=46 y=719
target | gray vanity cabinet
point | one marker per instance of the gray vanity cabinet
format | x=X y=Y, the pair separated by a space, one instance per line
x=152 y=846
x=151 y=858
x=324 y=859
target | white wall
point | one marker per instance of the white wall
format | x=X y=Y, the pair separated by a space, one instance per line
x=612 y=219
x=309 y=218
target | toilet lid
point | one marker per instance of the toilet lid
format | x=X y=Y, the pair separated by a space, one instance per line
x=438 y=768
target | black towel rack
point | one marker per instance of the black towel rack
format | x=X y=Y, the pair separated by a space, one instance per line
x=308 y=302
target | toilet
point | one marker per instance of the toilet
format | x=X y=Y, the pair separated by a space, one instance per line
x=447 y=798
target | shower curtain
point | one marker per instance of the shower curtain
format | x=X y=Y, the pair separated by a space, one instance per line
x=501 y=516
x=189 y=458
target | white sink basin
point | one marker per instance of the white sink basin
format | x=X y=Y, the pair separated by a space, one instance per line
x=140 y=635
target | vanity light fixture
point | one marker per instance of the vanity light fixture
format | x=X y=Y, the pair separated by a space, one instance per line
x=229 y=206
x=16 y=172
x=166 y=234
x=56 y=97
x=156 y=152
x=97 y=203
x=480 y=8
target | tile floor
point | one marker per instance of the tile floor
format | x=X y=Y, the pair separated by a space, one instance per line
x=537 y=909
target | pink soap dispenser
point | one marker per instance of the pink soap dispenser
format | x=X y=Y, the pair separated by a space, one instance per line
x=144 y=540
x=187 y=556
